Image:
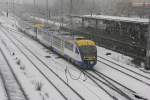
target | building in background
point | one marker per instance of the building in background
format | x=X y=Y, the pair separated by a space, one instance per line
x=141 y=7
x=138 y=8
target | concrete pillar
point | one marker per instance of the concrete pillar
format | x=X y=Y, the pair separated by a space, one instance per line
x=147 y=67
x=120 y=29
x=83 y=22
x=96 y=24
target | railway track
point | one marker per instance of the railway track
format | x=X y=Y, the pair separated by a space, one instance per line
x=108 y=86
x=145 y=71
x=62 y=82
x=3 y=94
x=98 y=84
x=122 y=89
x=110 y=64
x=123 y=67
x=12 y=86
x=101 y=80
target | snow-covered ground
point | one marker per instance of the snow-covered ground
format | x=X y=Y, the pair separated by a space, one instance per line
x=31 y=78
x=3 y=94
x=115 y=56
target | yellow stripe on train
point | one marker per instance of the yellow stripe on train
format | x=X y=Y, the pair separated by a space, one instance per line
x=39 y=26
x=85 y=43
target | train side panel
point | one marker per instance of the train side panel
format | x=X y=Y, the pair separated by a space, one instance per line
x=63 y=47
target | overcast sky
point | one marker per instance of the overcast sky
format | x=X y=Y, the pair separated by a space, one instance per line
x=43 y=1
x=101 y=3
x=52 y=1
x=39 y=1
x=31 y=1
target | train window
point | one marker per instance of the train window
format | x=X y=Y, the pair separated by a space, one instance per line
x=77 y=51
x=57 y=42
x=86 y=50
x=69 y=46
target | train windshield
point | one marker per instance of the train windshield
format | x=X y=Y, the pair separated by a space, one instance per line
x=88 y=50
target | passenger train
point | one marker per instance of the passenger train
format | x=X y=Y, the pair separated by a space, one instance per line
x=76 y=49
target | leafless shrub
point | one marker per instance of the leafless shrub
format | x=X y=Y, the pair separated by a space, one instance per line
x=22 y=67
x=47 y=95
x=18 y=62
x=12 y=53
x=24 y=73
x=38 y=86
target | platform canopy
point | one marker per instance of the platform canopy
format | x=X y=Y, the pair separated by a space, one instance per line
x=115 y=18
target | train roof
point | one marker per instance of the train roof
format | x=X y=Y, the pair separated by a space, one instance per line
x=71 y=38
x=68 y=36
x=85 y=43
x=115 y=18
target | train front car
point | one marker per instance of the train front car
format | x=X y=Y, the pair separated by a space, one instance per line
x=88 y=53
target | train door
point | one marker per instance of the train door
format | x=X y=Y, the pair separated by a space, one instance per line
x=77 y=53
x=50 y=38
x=62 y=47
